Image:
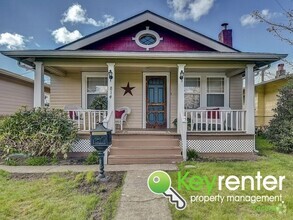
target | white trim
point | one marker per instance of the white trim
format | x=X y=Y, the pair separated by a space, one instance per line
x=154 y=19
x=85 y=75
x=249 y=98
x=239 y=56
x=145 y=74
x=39 y=95
x=147 y=31
x=111 y=97
x=180 y=97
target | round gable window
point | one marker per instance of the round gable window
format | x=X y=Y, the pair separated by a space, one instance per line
x=147 y=38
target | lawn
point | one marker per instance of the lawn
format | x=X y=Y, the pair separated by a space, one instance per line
x=58 y=196
x=269 y=163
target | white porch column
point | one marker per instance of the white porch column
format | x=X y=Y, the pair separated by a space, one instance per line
x=180 y=96
x=39 y=85
x=111 y=97
x=249 y=98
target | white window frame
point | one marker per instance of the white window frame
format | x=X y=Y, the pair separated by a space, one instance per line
x=200 y=85
x=84 y=93
x=215 y=93
x=204 y=89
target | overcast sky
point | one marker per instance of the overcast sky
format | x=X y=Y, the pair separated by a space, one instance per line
x=48 y=24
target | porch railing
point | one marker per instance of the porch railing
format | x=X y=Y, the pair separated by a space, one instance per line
x=86 y=120
x=215 y=120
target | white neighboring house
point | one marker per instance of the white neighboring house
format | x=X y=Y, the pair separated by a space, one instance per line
x=17 y=91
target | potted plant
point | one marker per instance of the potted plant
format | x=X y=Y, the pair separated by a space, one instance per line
x=100 y=103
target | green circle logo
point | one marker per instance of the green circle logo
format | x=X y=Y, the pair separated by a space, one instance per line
x=159 y=182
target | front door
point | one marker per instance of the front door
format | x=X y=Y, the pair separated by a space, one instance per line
x=156 y=110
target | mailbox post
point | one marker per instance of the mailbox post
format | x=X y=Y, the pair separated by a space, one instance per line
x=101 y=139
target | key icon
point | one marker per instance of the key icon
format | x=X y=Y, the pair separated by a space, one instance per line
x=159 y=182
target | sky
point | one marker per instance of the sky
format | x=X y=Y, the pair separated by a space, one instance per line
x=48 y=24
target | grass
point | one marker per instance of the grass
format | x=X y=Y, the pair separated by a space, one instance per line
x=270 y=163
x=56 y=196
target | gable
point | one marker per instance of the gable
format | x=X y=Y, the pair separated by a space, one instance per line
x=169 y=41
x=186 y=41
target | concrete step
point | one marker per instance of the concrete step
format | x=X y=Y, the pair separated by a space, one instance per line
x=145 y=142
x=145 y=151
x=144 y=159
x=145 y=136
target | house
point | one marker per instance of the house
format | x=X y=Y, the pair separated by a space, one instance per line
x=266 y=93
x=16 y=91
x=164 y=73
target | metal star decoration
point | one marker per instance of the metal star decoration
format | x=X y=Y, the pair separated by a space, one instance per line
x=127 y=89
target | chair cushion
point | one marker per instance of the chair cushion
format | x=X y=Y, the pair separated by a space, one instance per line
x=72 y=115
x=118 y=114
x=214 y=114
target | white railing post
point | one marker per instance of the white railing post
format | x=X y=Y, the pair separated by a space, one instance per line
x=184 y=136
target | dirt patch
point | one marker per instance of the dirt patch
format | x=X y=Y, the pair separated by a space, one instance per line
x=101 y=189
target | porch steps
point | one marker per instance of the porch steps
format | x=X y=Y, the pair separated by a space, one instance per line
x=145 y=149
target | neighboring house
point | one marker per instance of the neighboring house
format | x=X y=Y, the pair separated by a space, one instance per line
x=164 y=73
x=266 y=96
x=16 y=91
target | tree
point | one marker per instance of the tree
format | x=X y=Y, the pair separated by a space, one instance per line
x=282 y=30
x=280 y=130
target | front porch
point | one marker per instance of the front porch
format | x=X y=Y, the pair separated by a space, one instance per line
x=192 y=99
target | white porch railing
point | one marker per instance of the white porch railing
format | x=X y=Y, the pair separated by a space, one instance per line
x=182 y=122
x=86 y=120
x=215 y=120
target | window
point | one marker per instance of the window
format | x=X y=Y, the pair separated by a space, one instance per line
x=147 y=39
x=191 y=93
x=215 y=91
x=95 y=86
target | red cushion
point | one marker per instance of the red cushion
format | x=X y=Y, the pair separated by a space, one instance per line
x=72 y=115
x=214 y=114
x=118 y=114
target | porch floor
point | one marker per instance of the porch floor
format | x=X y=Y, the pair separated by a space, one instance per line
x=170 y=131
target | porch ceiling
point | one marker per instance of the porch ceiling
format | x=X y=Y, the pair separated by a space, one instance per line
x=230 y=71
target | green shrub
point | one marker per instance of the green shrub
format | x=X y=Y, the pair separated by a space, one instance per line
x=280 y=130
x=37 y=132
x=37 y=161
x=11 y=162
x=100 y=103
x=192 y=155
x=92 y=158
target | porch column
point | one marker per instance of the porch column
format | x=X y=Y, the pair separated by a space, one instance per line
x=39 y=85
x=111 y=96
x=249 y=98
x=180 y=96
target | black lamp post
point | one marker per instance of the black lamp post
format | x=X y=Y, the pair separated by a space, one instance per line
x=101 y=139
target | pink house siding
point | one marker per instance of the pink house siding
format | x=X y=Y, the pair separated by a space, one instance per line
x=123 y=41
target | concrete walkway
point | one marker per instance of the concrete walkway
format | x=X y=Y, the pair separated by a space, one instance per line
x=137 y=202
x=85 y=168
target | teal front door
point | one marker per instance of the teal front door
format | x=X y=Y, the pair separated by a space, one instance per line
x=156 y=112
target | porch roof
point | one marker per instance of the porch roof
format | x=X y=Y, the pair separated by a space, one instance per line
x=259 y=59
